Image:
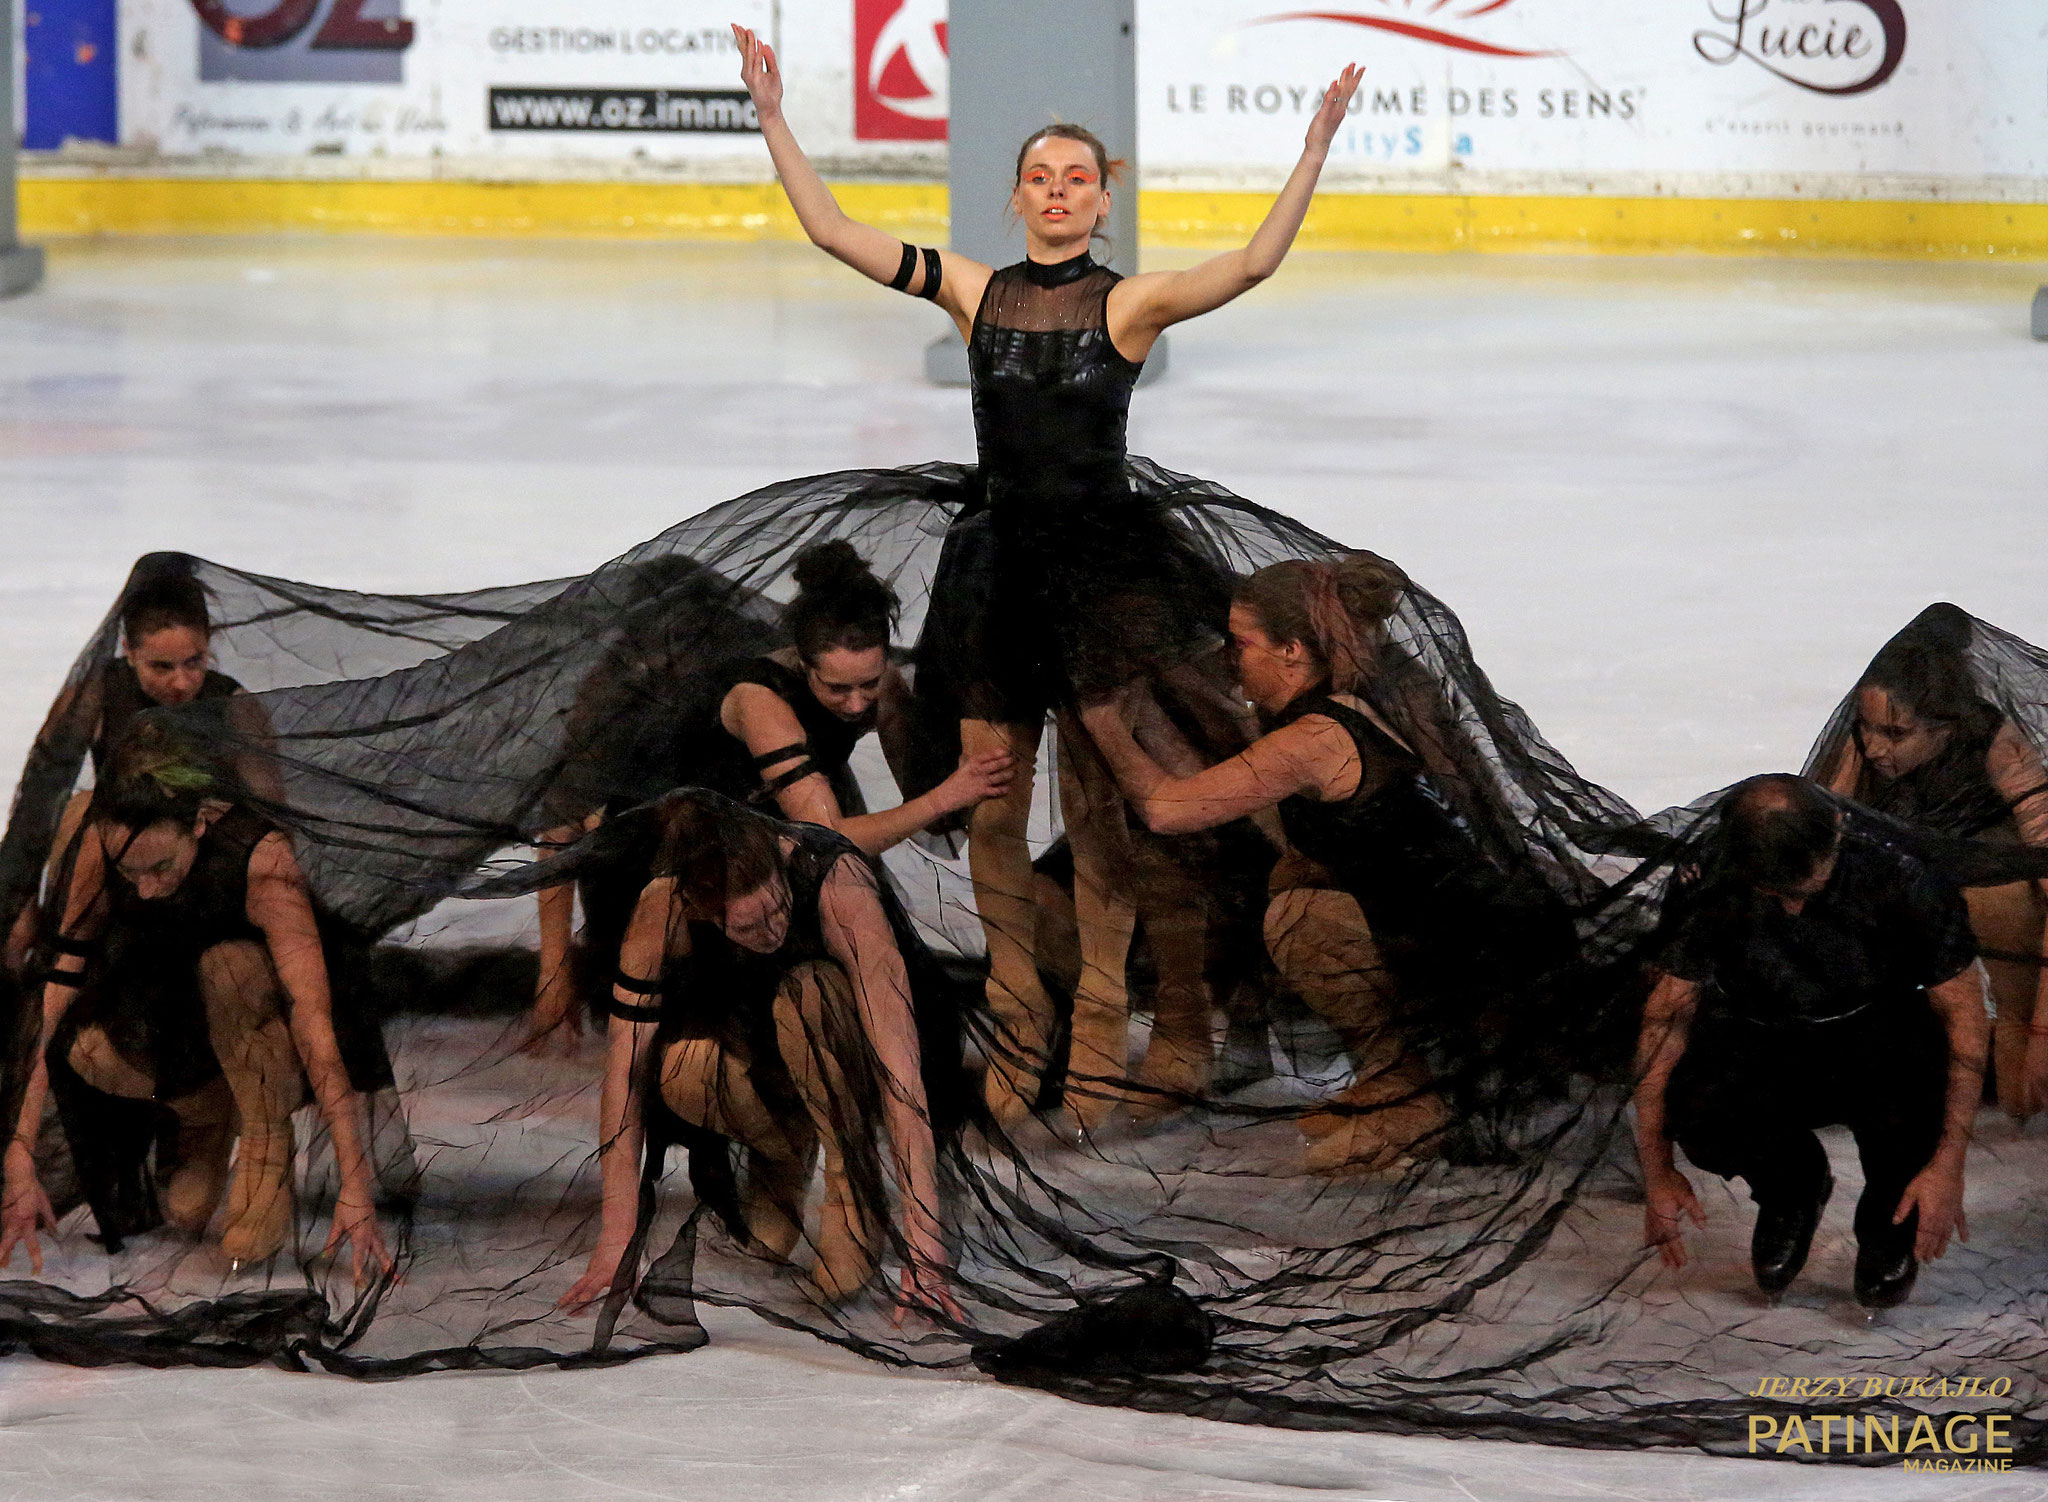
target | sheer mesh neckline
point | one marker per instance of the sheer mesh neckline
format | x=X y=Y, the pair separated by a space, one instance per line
x=1058 y=273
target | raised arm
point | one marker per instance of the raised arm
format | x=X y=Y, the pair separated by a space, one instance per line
x=1306 y=756
x=763 y=720
x=1140 y=307
x=858 y=935
x=279 y=906
x=874 y=253
x=636 y=1009
x=1668 y=1200
x=24 y=1207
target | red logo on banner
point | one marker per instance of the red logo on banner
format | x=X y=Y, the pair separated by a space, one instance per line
x=899 y=70
x=1423 y=24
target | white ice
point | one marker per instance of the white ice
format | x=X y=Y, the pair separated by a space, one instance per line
x=1677 y=503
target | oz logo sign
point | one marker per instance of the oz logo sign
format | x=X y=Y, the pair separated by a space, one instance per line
x=302 y=41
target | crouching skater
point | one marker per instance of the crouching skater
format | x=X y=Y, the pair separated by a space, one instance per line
x=186 y=1010
x=770 y=994
x=1820 y=974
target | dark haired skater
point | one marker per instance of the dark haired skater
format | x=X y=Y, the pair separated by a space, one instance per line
x=1819 y=975
x=1066 y=580
x=765 y=995
x=1920 y=739
x=188 y=1010
x=166 y=658
x=780 y=729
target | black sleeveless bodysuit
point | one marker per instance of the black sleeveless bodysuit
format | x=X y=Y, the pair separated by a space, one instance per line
x=698 y=751
x=720 y=990
x=1060 y=581
x=142 y=986
x=1453 y=927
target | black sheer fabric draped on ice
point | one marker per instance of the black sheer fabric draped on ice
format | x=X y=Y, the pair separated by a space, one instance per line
x=1491 y=1282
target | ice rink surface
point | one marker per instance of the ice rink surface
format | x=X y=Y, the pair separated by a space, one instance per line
x=1678 y=503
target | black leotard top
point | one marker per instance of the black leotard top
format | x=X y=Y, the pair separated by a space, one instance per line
x=141 y=982
x=122 y=699
x=721 y=990
x=828 y=742
x=211 y=905
x=1051 y=392
x=1440 y=911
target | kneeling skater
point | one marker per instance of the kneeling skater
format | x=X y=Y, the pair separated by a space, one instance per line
x=763 y=998
x=187 y=1011
x=1819 y=975
x=1385 y=916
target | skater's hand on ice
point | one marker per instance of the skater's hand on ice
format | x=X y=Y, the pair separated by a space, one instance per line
x=24 y=1209
x=1668 y=1202
x=977 y=779
x=924 y=1291
x=554 y=1028
x=1937 y=1193
x=355 y=1222
x=759 y=73
x=1336 y=99
x=596 y=1283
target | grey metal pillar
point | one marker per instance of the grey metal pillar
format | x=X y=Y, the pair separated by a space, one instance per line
x=2041 y=314
x=1013 y=69
x=21 y=266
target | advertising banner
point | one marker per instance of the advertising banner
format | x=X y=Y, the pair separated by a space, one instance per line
x=435 y=78
x=1837 y=98
x=1590 y=90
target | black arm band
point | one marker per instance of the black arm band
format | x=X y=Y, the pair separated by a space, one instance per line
x=796 y=774
x=768 y=759
x=626 y=1012
x=71 y=980
x=637 y=986
x=933 y=273
x=81 y=948
x=903 y=271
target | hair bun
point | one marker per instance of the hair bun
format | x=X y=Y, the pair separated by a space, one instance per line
x=828 y=566
x=1369 y=585
x=840 y=601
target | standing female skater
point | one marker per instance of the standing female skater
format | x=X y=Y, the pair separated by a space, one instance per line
x=1066 y=581
x=779 y=726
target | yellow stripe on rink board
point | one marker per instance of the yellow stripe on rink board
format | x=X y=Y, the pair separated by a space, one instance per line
x=611 y=210
x=56 y=205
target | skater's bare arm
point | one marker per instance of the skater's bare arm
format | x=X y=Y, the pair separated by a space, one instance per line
x=1668 y=1197
x=2021 y=780
x=1937 y=1191
x=1307 y=756
x=24 y=1208
x=858 y=935
x=650 y=935
x=278 y=905
x=874 y=253
x=1140 y=307
x=554 y=998
x=763 y=719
